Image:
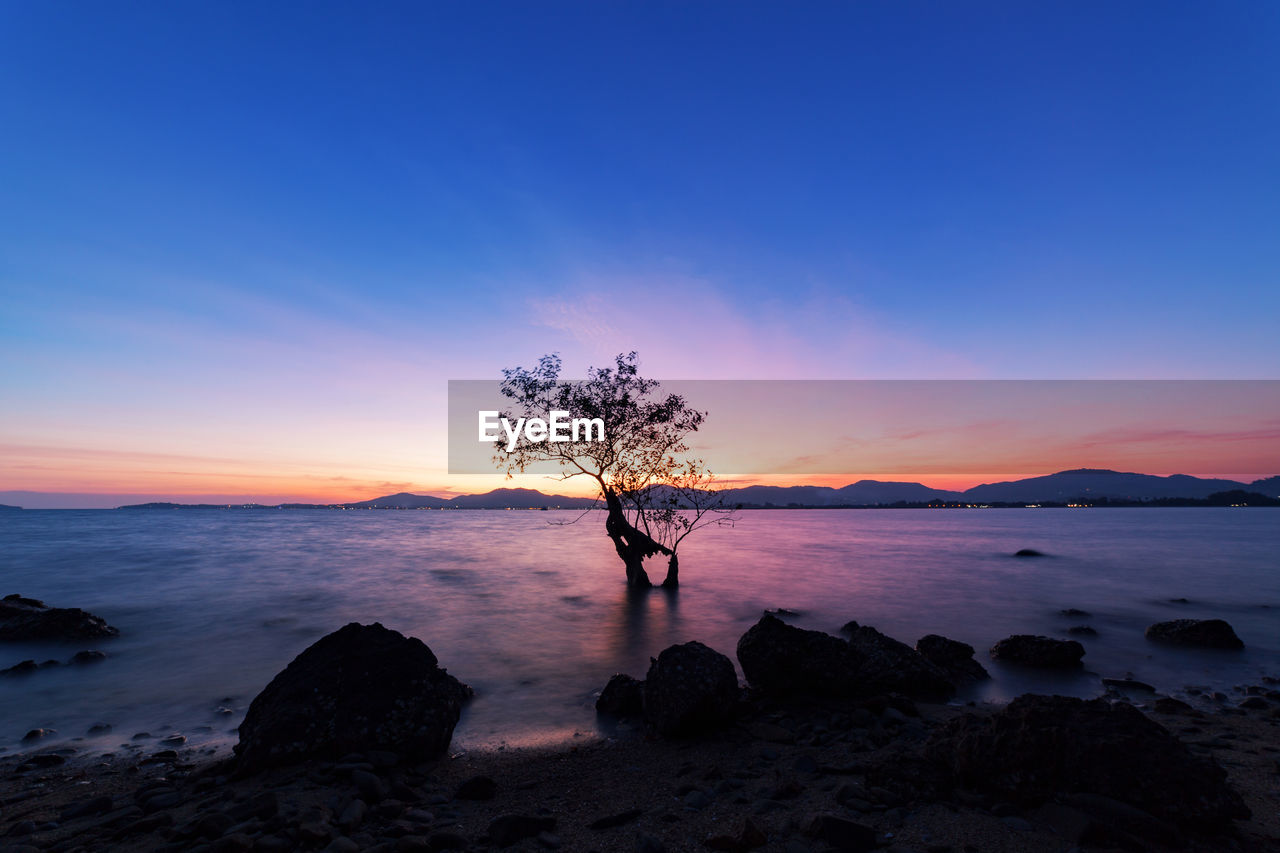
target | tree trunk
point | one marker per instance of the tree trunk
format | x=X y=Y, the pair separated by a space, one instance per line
x=631 y=544
x=673 y=572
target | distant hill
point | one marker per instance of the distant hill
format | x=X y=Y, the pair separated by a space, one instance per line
x=1099 y=483
x=401 y=500
x=1083 y=484
x=6 y=506
x=1269 y=486
x=520 y=499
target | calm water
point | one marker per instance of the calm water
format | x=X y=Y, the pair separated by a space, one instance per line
x=211 y=604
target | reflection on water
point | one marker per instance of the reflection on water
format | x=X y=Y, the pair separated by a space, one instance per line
x=211 y=604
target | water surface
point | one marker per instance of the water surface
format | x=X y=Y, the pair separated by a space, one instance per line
x=534 y=615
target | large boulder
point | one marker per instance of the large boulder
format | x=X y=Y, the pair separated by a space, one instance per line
x=361 y=688
x=953 y=657
x=894 y=667
x=623 y=696
x=1042 y=652
x=781 y=658
x=1041 y=747
x=1202 y=633
x=689 y=688
x=30 y=619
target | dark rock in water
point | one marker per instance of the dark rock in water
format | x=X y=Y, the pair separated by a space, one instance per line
x=92 y=656
x=953 y=657
x=1169 y=705
x=1255 y=703
x=1203 y=633
x=1043 y=652
x=780 y=658
x=37 y=734
x=1128 y=684
x=100 y=729
x=1082 y=631
x=689 y=687
x=1028 y=552
x=508 y=829
x=1179 y=601
x=1041 y=747
x=31 y=619
x=361 y=688
x=1075 y=613
x=478 y=788
x=623 y=696
x=895 y=667
x=25 y=667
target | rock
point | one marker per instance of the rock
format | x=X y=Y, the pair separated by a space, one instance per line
x=1203 y=633
x=1041 y=747
x=25 y=667
x=369 y=785
x=623 y=696
x=1255 y=703
x=37 y=734
x=99 y=729
x=353 y=815
x=363 y=687
x=953 y=657
x=30 y=619
x=1043 y=652
x=92 y=656
x=173 y=740
x=342 y=844
x=1169 y=705
x=508 y=829
x=841 y=833
x=477 y=788
x=1075 y=613
x=1082 y=631
x=1028 y=552
x=689 y=688
x=894 y=667
x=1128 y=684
x=446 y=841
x=83 y=808
x=749 y=837
x=780 y=658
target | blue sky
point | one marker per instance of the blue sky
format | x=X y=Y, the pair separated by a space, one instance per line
x=308 y=216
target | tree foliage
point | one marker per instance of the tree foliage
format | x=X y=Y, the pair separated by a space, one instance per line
x=654 y=494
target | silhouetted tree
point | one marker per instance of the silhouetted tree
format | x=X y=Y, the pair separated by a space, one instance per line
x=637 y=465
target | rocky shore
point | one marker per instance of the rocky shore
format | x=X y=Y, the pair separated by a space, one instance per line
x=835 y=743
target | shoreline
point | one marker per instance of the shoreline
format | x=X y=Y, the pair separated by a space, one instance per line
x=755 y=785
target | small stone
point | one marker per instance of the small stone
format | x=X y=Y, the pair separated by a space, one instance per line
x=508 y=829
x=477 y=788
x=353 y=815
x=37 y=734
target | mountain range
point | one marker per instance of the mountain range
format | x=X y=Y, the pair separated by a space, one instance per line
x=1082 y=484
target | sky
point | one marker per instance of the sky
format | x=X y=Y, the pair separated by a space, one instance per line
x=244 y=246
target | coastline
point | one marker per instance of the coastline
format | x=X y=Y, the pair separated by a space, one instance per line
x=757 y=784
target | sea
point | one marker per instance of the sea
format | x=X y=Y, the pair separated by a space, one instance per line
x=530 y=608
